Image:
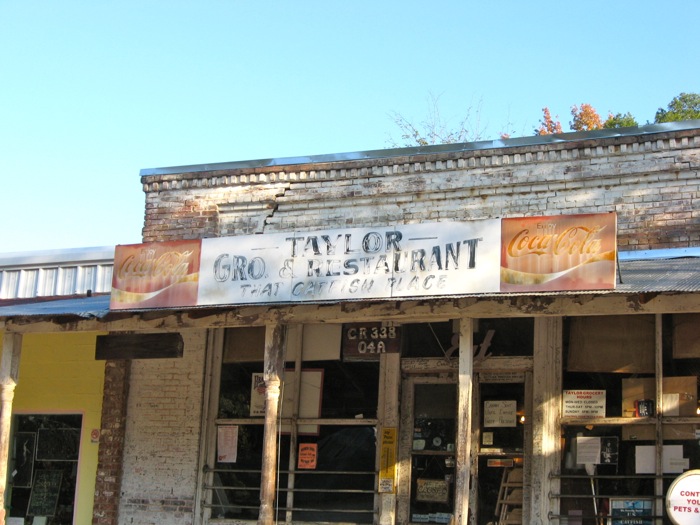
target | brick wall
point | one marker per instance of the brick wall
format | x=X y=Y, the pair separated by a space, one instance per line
x=163 y=436
x=109 y=456
x=650 y=180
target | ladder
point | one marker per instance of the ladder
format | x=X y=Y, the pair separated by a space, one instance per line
x=509 y=508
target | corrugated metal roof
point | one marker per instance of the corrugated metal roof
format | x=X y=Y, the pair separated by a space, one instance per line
x=675 y=275
x=659 y=275
x=56 y=272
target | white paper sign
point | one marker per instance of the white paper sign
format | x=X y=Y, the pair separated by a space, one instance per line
x=584 y=403
x=500 y=413
x=673 y=460
x=587 y=450
x=227 y=443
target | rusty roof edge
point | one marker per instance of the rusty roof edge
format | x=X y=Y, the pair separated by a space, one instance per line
x=432 y=149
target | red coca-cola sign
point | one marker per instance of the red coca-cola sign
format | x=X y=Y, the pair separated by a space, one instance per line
x=155 y=275
x=566 y=252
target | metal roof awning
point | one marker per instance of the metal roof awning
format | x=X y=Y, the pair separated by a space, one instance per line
x=95 y=307
x=659 y=275
x=636 y=276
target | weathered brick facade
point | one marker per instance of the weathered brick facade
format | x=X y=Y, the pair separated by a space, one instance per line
x=651 y=181
x=162 y=437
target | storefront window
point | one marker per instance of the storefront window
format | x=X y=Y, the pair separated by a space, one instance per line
x=492 y=338
x=327 y=441
x=44 y=464
x=503 y=337
x=612 y=463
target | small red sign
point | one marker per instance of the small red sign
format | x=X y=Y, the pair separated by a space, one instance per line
x=308 y=454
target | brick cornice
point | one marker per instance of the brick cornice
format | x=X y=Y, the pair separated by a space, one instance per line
x=587 y=148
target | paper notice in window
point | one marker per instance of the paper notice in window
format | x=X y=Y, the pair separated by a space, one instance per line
x=673 y=462
x=587 y=450
x=501 y=413
x=227 y=443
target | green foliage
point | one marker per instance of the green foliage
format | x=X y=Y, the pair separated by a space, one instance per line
x=685 y=106
x=436 y=130
x=620 y=121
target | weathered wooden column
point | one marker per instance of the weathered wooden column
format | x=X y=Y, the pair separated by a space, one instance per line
x=9 y=374
x=464 y=410
x=275 y=340
x=389 y=418
x=546 y=404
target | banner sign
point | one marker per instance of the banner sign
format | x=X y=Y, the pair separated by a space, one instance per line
x=413 y=260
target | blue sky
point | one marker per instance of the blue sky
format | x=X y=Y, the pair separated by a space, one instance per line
x=93 y=91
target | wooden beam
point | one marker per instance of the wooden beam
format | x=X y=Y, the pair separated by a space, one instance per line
x=139 y=346
x=397 y=311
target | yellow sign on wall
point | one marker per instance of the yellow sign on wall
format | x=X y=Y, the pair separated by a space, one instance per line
x=387 y=469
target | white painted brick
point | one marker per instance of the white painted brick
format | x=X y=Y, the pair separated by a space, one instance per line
x=162 y=437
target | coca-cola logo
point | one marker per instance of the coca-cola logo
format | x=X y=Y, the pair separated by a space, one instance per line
x=575 y=240
x=148 y=263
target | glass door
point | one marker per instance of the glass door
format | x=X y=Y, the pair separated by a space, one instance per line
x=430 y=448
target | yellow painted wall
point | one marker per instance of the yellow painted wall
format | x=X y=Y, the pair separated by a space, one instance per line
x=58 y=374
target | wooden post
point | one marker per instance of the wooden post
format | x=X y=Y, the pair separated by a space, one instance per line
x=389 y=388
x=9 y=373
x=659 y=431
x=464 y=410
x=546 y=403
x=272 y=374
x=294 y=346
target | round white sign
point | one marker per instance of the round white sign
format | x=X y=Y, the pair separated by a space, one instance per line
x=683 y=499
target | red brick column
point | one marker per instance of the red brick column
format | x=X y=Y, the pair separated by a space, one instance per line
x=109 y=457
